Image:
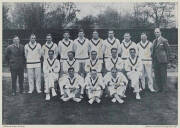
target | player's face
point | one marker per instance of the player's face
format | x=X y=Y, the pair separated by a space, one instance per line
x=49 y=39
x=33 y=39
x=70 y=55
x=114 y=53
x=95 y=35
x=93 y=74
x=157 y=33
x=71 y=73
x=127 y=37
x=66 y=35
x=81 y=34
x=114 y=73
x=16 y=40
x=132 y=53
x=143 y=37
x=93 y=55
x=111 y=34
x=51 y=55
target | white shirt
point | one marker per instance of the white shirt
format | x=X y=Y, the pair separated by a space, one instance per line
x=64 y=47
x=120 y=79
x=145 y=51
x=51 y=66
x=97 y=83
x=108 y=44
x=125 y=46
x=73 y=63
x=49 y=46
x=33 y=55
x=111 y=62
x=93 y=64
x=96 y=45
x=81 y=48
x=134 y=64
x=75 y=82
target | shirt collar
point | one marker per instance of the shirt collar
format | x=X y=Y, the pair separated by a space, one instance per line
x=111 y=39
x=144 y=43
x=159 y=37
x=49 y=44
x=126 y=42
x=30 y=43
x=81 y=39
x=71 y=60
x=134 y=58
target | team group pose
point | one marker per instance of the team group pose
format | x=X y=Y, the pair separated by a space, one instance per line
x=94 y=67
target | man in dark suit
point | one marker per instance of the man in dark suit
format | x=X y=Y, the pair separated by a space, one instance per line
x=160 y=58
x=16 y=60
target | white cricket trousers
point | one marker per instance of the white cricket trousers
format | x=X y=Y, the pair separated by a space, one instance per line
x=49 y=79
x=147 y=72
x=34 y=74
x=134 y=77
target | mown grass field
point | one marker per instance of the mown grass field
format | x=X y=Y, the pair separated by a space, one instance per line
x=152 y=109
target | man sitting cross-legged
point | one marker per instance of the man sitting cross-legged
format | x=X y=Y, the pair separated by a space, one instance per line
x=72 y=85
x=51 y=68
x=94 y=86
x=116 y=84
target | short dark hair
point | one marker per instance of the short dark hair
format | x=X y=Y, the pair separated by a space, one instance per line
x=110 y=30
x=32 y=34
x=15 y=36
x=94 y=51
x=113 y=68
x=127 y=33
x=144 y=33
x=93 y=70
x=51 y=51
x=71 y=68
x=71 y=52
x=95 y=30
x=49 y=35
x=66 y=31
x=81 y=30
x=113 y=49
x=132 y=49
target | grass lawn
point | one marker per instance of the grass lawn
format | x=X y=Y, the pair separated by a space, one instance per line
x=152 y=109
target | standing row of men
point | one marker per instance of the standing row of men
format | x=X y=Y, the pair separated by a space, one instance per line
x=87 y=57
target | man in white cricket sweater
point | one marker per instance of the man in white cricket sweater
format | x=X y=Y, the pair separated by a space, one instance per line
x=33 y=55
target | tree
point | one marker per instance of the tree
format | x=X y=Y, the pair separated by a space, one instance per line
x=110 y=18
x=160 y=14
x=6 y=22
x=59 y=15
x=87 y=22
x=28 y=15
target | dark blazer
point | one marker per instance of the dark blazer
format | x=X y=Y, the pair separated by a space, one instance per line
x=15 y=56
x=160 y=51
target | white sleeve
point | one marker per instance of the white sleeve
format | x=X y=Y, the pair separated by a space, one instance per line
x=124 y=78
x=56 y=51
x=57 y=66
x=26 y=50
x=45 y=67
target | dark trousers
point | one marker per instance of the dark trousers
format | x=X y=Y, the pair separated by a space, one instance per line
x=17 y=72
x=160 y=72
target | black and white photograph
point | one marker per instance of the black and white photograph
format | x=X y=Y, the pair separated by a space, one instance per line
x=90 y=63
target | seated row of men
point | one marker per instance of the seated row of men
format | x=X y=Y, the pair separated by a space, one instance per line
x=73 y=85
